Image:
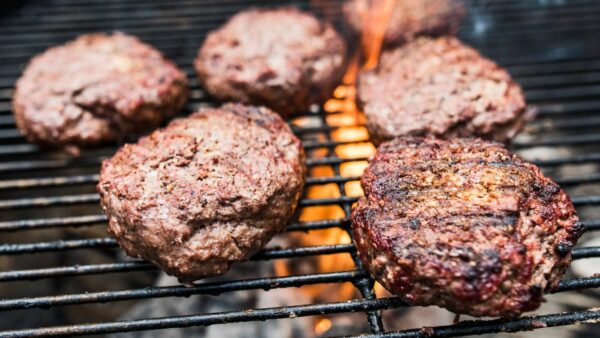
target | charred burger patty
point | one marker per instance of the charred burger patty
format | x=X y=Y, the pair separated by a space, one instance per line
x=442 y=88
x=281 y=58
x=97 y=88
x=463 y=224
x=409 y=18
x=204 y=192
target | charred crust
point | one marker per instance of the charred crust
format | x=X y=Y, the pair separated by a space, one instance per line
x=462 y=224
x=415 y=224
x=563 y=248
x=536 y=290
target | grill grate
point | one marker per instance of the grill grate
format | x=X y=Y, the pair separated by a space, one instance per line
x=550 y=47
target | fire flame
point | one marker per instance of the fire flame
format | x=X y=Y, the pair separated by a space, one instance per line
x=375 y=20
x=349 y=122
x=322 y=326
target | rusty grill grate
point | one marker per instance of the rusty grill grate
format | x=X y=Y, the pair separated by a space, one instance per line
x=549 y=46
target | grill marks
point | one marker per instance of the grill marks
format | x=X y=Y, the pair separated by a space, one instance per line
x=462 y=224
x=455 y=204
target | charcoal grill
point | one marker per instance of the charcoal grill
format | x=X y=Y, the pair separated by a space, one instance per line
x=549 y=46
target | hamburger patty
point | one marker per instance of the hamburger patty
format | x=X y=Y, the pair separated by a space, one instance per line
x=205 y=191
x=410 y=18
x=95 y=89
x=282 y=58
x=463 y=224
x=443 y=88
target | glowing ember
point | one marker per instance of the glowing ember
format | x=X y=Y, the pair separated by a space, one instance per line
x=322 y=326
x=380 y=291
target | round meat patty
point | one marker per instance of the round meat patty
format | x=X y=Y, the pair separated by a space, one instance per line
x=98 y=88
x=440 y=87
x=463 y=224
x=410 y=18
x=283 y=58
x=205 y=191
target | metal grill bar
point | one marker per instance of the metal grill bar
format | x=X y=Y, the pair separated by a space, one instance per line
x=49 y=201
x=478 y=327
x=576 y=284
x=48 y=182
x=559 y=109
x=109 y=242
x=565 y=124
x=77 y=270
x=210 y=319
x=586 y=252
x=31 y=224
x=564 y=141
x=97 y=219
x=73 y=244
x=18 y=149
x=217 y=288
x=585 y=200
x=49 y=164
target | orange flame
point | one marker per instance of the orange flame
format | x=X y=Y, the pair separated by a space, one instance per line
x=322 y=326
x=349 y=123
x=375 y=22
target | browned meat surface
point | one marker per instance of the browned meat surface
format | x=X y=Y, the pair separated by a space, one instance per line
x=97 y=88
x=442 y=88
x=463 y=224
x=282 y=58
x=205 y=191
x=410 y=18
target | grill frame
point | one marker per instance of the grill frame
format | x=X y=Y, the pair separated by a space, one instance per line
x=555 y=94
